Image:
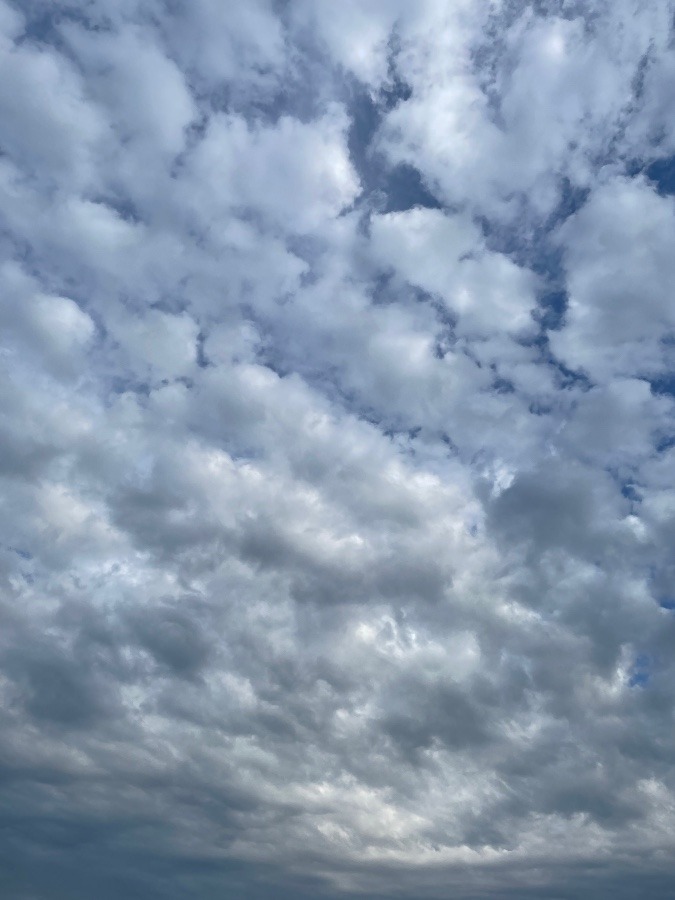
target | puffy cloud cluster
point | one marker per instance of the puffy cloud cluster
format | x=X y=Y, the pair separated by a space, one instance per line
x=336 y=449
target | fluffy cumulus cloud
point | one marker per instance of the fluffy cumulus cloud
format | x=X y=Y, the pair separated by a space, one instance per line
x=337 y=473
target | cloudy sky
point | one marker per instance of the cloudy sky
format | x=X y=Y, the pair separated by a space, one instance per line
x=337 y=449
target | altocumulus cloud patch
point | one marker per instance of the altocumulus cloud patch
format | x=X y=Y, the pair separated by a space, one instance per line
x=337 y=449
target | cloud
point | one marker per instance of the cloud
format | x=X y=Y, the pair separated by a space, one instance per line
x=615 y=334
x=291 y=175
x=486 y=292
x=337 y=450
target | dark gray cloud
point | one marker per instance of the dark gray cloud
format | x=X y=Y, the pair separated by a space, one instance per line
x=336 y=450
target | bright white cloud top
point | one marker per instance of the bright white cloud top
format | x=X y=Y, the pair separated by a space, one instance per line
x=337 y=449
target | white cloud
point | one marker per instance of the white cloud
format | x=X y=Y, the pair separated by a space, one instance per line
x=162 y=343
x=242 y=47
x=143 y=92
x=335 y=533
x=617 y=251
x=292 y=175
x=447 y=257
x=48 y=127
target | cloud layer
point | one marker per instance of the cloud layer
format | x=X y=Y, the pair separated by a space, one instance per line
x=337 y=449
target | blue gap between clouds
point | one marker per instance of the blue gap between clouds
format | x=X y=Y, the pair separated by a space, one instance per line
x=642 y=671
x=662 y=173
x=401 y=187
x=665 y=385
x=630 y=492
x=534 y=249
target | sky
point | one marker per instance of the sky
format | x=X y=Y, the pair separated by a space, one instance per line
x=337 y=449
